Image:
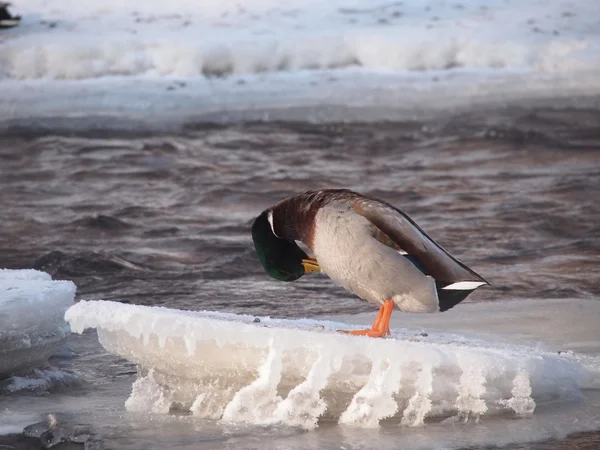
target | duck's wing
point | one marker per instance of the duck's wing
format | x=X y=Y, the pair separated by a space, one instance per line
x=395 y=229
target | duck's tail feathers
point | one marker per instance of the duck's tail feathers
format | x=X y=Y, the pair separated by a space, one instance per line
x=450 y=295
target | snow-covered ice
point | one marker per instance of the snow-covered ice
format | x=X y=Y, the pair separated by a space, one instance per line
x=63 y=39
x=297 y=372
x=32 y=325
x=154 y=58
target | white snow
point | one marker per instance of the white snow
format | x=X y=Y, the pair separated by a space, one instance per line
x=32 y=325
x=206 y=57
x=184 y=38
x=297 y=372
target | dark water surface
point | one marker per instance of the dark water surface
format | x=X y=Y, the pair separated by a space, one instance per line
x=165 y=219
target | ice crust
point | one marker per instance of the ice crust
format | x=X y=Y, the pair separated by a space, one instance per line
x=160 y=64
x=187 y=39
x=299 y=372
x=32 y=325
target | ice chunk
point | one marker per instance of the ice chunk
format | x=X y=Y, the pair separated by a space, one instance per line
x=471 y=388
x=257 y=401
x=148 y=395
x=39 y=380
x=304 y=404
x=32 y=325
x=294 y=372
x=420 y=403
x=375 y=400
x=23 y=274
x=521 y=401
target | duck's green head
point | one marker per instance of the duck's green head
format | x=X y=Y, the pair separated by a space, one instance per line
x=281 y=258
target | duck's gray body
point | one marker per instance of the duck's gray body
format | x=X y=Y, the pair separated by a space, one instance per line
x=347 y=252
x=374 y=250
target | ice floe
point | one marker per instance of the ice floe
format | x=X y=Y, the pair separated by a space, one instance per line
x=299 y=372
x=32 y=325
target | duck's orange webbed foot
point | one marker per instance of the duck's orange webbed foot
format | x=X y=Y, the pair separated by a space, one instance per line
x=370 y=332
x=381 y=326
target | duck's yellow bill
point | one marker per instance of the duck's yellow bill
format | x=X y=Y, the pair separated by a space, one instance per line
x=310 y=265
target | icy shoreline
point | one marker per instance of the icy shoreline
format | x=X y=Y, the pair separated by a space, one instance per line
x=187 y=39
x=114 y=66
x=151 y=108
x=32 y=327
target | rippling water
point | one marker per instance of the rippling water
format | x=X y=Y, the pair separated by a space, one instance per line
x=165 y=219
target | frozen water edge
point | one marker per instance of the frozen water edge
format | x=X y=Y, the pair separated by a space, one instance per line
x=298 y=372
x=168 y=104
x=115 y=64
x=32 y=327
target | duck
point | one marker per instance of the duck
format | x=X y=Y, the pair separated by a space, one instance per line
x=371 y=248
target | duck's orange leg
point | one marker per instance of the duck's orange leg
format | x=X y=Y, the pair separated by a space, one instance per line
x=379 y=317
x=381 y=326
x=375 y=325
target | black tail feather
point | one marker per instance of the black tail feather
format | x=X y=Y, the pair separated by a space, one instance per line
x=448 y=298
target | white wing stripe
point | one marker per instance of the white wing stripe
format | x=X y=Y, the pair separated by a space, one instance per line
x=464 y=285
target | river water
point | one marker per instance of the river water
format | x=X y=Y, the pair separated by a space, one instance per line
x=164 y=219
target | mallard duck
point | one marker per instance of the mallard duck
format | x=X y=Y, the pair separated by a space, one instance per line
x=368 y=246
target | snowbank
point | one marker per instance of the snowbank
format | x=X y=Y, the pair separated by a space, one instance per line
x=114 y=38
x=155 y=61
x=32 y=325
x=296 y=372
